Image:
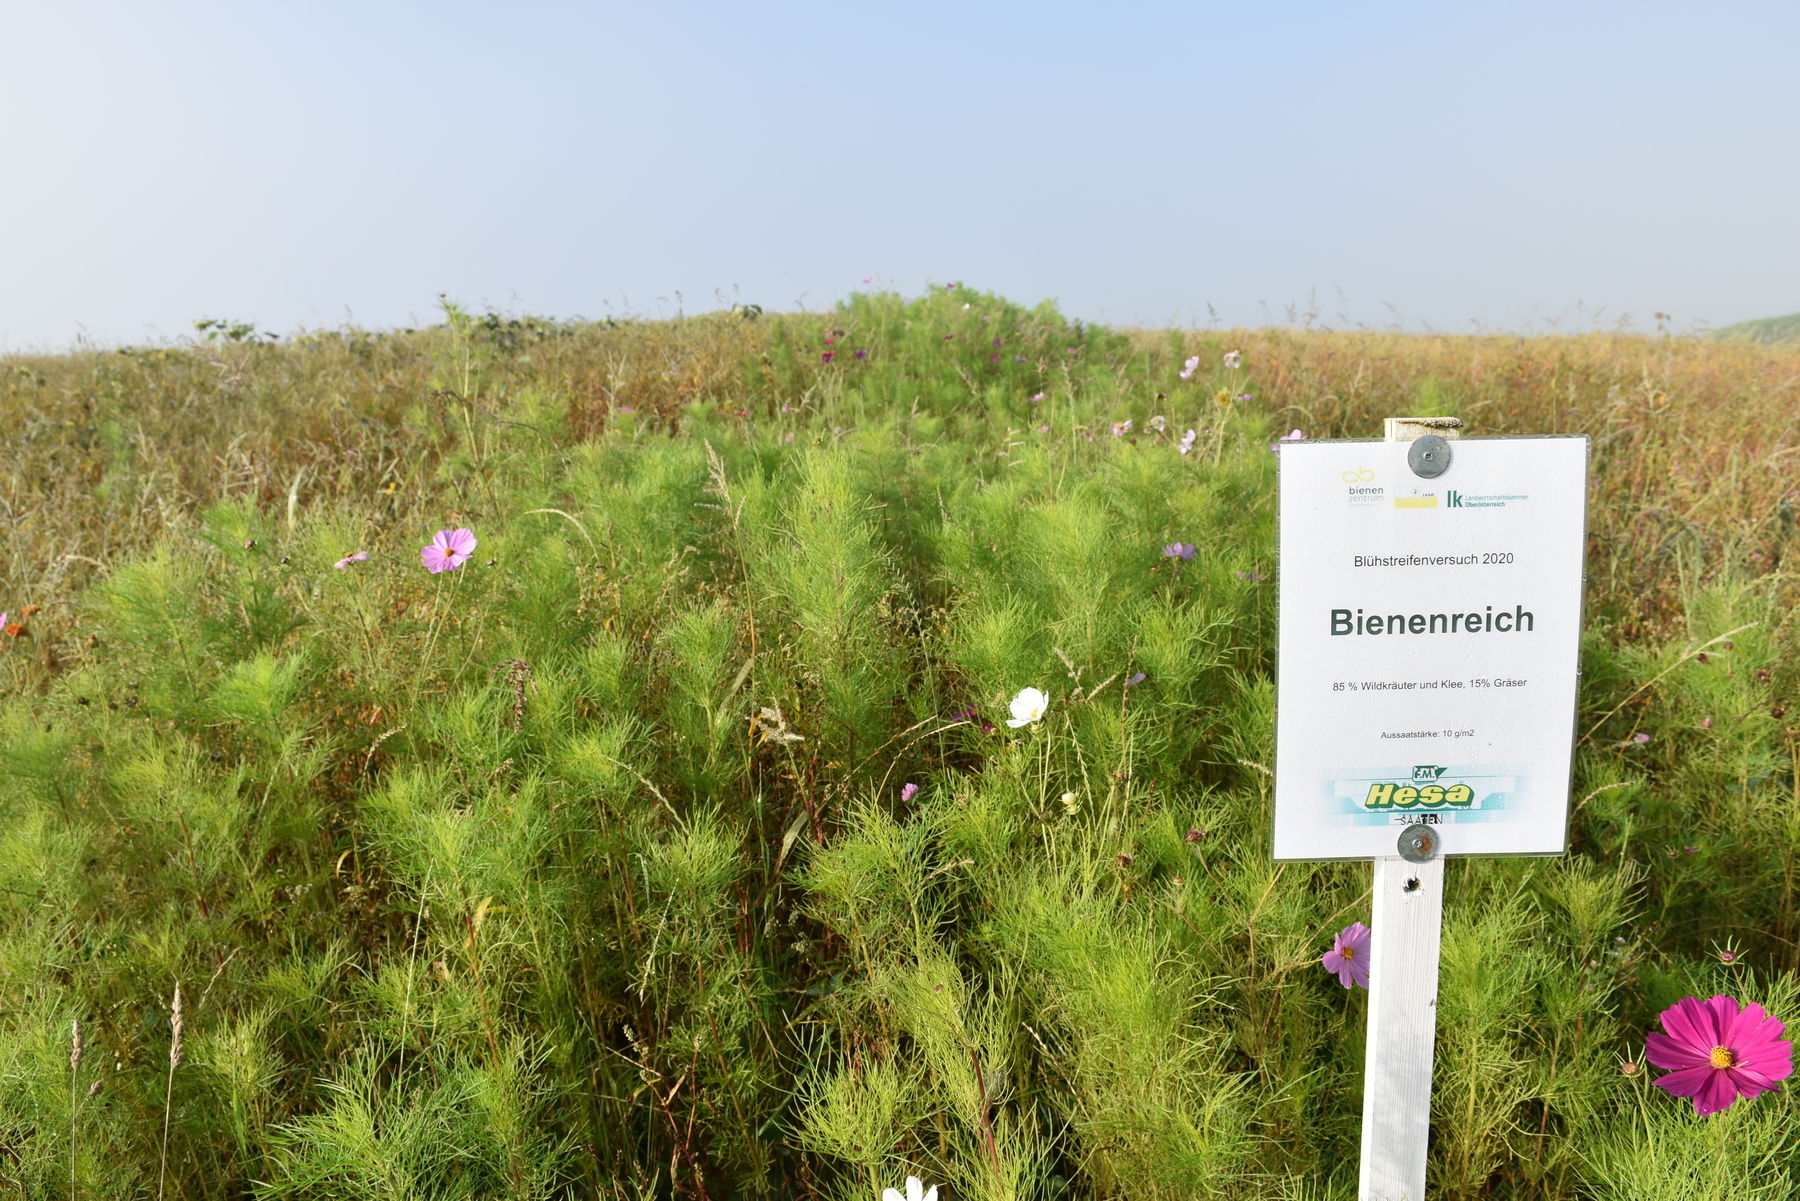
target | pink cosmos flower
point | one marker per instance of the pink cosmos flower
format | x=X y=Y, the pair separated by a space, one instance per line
x=358 y=557
x=1187 y=442
x=1719 y=1051
x=449 y=550
x=1188 y=368
x=1121 y=428
x=1179 y=550
x=908 y=792
x=1233 y=360
x=1349 y=955
x=826 y=356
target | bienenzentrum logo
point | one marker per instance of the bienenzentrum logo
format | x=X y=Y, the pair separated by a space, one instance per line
x=1360 y=489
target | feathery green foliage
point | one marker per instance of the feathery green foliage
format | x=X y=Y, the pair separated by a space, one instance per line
x=586 y=870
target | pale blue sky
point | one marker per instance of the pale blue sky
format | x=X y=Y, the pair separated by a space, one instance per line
x=308 y=165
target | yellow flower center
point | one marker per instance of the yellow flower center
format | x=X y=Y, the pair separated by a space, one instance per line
x=1723 y=1058
x=1348 y=952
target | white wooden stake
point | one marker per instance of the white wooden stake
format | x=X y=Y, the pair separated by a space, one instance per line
x=1405 y=927
x=1403 y=983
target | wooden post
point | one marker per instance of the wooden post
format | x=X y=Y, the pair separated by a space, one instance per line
x=1406 y=922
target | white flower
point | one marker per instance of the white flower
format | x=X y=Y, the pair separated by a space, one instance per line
x=915 y=1191
x=1027 y=707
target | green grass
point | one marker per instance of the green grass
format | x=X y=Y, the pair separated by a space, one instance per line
x=585 y=870
x=1770 y=331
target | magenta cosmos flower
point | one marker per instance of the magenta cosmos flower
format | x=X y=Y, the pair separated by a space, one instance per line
x=360 y=556
x=449 y=550
x=1719 y=1051
x=1349 y=955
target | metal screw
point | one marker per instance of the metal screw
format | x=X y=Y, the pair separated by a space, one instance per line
x=1418 y=844
x=1428 y=456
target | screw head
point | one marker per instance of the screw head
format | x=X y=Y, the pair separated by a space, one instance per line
x=1418 y=844
x=1428 y=456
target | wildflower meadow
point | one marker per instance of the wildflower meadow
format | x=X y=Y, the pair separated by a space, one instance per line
x=828 y=755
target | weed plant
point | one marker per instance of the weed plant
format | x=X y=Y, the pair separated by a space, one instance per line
x=676 y=845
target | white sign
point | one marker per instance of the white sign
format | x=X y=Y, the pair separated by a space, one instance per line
x=1428 y=646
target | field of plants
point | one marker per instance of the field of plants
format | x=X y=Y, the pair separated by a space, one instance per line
x=532 y=759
